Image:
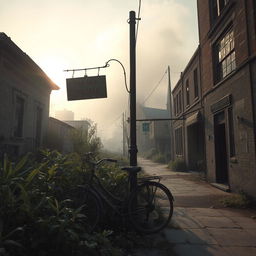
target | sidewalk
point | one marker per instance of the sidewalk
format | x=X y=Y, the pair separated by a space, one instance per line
x=200 y=226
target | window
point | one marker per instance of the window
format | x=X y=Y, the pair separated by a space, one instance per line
x=175 y=105
x=217 y=7
x=220 y=5
x=226 y=56
x=38 y=126
x=187 y=92
x=195 y=83
x=18 y=117
x=178 y=141
x=180 y=102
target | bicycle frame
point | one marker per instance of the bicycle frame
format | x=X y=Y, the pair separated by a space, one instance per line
x=115 y=203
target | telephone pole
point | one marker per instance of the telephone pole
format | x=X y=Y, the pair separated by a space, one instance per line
x=133 y=141
x=170 y=109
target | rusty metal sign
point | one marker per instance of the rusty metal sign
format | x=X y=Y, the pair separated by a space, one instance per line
x=81 y=88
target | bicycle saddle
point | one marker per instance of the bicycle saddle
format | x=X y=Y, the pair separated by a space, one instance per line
x=134 y=169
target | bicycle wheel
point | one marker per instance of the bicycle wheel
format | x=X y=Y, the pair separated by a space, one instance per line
x=90 y=207
x=150 y=207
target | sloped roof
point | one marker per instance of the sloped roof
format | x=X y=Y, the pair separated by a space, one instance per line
x=152 y=113
x=37 y=71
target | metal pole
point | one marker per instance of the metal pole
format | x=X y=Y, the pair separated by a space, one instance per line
x=123 y=124
x=171 y=112
x=133 y=144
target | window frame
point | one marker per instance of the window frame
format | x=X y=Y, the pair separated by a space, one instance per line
x=18 y=121
x=217 y=7
x=187 y=92
x=224 y=52
x=196 y=84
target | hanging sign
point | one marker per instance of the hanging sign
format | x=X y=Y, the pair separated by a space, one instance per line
x=81 y=88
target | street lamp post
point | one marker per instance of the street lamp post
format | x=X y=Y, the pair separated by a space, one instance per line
x=133 y=144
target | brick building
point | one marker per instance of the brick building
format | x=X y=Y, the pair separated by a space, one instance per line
x=187 y=109
x=24 y=100
x=228 y=79
x=216 y=110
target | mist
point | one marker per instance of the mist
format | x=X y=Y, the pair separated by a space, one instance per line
x=80 y=34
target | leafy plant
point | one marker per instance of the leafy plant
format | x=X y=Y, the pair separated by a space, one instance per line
x=240 y=201
x=159 y=158
x=86 y=141
x=178 y=165
x=37 y=214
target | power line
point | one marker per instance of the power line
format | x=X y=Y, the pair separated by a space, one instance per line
x=116 y=119
x=137 y=29
x=155 y=87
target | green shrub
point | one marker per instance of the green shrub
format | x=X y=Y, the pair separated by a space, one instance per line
x=36 y=213
x=159 y=158
x=150 y=153
x=87 y=141
x=178 y=165
x=240 y=201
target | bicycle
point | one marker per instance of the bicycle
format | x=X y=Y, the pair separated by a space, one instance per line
x=148 y=205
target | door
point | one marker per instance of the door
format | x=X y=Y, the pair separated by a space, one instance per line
x=220 y=148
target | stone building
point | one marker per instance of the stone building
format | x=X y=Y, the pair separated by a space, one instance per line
x=228 y=70
x=187 y=110
x=24 y=100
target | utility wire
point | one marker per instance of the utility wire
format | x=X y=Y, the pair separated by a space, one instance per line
x=116 y=119
x=155 y=87
x=137 y=29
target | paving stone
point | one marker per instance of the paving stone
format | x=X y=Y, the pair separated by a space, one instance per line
x=241 y=251
x=232 y=212
x=198 y=250
x=176 y=236
x=201 y=230
x=216 y=222
x=252 y=233
x=200 y=236
x=233 y=237
x=185 y=222
x=179 y=211
x=191 y=236
x=203 y=212
x=245 y=222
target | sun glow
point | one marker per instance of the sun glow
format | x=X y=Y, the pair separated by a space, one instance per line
x=53 y=67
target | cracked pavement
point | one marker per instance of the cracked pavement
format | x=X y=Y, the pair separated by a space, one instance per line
x=200 y=225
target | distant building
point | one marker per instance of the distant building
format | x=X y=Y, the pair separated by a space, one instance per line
x=153 y=134
x=24 y=100
x=64 y=115
x=59 y=136
x=79 y=124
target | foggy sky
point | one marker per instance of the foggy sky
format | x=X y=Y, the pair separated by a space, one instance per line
x=65 y=34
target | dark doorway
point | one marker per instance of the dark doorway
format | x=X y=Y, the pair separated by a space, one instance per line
x=195 y=147
x=220 y=148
